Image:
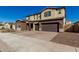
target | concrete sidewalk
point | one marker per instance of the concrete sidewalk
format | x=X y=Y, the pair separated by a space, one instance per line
x=27 y=44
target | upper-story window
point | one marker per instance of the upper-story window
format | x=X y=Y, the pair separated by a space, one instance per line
x=37 y=16
x=48 y=13
x=34 y=16
x=18 y=26
x=59 y=11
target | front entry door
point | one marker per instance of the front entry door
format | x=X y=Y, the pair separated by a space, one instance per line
x=37 y=27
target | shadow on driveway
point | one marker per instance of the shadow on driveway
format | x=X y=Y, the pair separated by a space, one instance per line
x=66 y=38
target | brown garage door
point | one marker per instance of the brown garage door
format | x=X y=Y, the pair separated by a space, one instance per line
x=54 y=27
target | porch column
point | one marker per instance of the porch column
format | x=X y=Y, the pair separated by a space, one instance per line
x=33 y=26
x=40 y=27
x=29 y=26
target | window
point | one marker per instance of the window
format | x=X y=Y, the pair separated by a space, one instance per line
x=48 y=13
x=37 y=16
x=34 y=16
x=59 y=11
x=40 y=16
x=18 y=26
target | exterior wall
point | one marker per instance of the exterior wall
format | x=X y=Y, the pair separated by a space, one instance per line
x=34 y=17
x=31 y=18
x=18 y=28
x=61 y=24
x=1 y=27
x=13 y=27
x=76 y=27
x=60 y=15
x=22 y=26
x=61 y=28
x=39 y=15
x=40 y=27
x=73 y=28
x=34 y=25
x=7 y=26
x=54 y=14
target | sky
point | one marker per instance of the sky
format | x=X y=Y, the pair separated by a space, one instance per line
x=13 y=13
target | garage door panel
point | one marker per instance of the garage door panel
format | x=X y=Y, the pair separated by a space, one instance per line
x=49 y=27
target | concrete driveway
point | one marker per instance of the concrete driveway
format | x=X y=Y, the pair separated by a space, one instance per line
x=19 y=43
x=43 y=35
x=67 y=38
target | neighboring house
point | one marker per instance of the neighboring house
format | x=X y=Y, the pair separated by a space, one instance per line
x=68 y=25
x=68 y=22
x=7 y=26
x=21 y=25
x=49 y=19
x=10 y=26
x=76 y=26
x=1 y=26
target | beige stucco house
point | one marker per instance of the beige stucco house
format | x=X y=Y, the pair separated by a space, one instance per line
x=10 y=26
x=49 y=19
x=7 y=26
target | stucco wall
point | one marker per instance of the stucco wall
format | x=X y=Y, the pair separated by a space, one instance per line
x=7 y=26
x=61 y=24
x=54 y=14
x=34 y=17
x=13 y=27
x=22 y=26
x=39 y=16
x=31 y=18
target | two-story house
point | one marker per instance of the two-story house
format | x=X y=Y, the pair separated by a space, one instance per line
x=49 y=19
